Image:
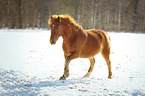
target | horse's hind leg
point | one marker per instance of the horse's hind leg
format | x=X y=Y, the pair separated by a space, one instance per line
x=92 y=62
x=106 y=55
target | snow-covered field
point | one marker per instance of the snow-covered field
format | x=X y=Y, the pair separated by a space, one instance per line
x=30 y=66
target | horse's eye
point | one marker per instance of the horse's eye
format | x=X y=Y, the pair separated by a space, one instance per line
x=57 y=28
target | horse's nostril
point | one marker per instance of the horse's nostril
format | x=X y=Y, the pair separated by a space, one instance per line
x=52 y=42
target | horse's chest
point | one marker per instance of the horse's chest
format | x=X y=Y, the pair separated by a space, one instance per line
x=70 y=46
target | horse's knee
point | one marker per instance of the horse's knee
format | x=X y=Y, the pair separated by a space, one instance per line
x=92 y=60
x=108 y=62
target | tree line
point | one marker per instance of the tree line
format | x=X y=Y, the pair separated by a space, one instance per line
x=108 y=15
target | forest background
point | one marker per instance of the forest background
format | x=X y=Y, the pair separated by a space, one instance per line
x=108 y=15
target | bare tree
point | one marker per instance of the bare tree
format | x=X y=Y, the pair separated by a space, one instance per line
x=19 y=14
x=134 y=15
x=119 y=16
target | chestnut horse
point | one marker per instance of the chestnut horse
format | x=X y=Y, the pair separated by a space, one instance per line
x=79 y=43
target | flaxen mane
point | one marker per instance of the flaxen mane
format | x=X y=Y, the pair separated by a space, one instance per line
x=65 y=18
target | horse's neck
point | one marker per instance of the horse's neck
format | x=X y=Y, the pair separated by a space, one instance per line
x=71 y=32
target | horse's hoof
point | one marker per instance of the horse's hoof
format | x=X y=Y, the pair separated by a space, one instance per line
x=87 y=75
x=62 y=78
x=109 y=77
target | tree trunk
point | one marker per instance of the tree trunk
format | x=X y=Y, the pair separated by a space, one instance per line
x=92 y=14
x=94 y=25
x=79 y=10
x=100 y=22
x=115 y=22
x=8 y=12
x=27 y=15
x=35 y=18
x=119 y=17
x=143 y=22
x=83 y=13
x=38 y=20
x=134 y=17
x=108 y=16
x=2 y=13
x=19 y=15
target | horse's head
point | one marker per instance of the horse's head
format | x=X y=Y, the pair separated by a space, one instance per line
x=55 y=29
x=62 y=25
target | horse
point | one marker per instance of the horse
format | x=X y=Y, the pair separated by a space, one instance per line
x=79 y=43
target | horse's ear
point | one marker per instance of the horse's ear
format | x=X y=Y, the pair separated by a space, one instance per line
x=59 y=19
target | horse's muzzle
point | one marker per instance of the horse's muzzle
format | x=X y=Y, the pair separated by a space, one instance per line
x=52 y=42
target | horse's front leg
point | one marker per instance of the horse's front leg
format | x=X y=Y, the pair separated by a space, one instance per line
x=73 y=55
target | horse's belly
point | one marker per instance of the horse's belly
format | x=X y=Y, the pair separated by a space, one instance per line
x=87 y=53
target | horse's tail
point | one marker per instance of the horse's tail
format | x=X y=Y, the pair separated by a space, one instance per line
x=108 y=37
x=109 y=41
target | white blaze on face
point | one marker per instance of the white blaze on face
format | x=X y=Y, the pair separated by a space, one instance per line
x=53 y=25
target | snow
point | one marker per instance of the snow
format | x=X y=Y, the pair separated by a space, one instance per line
x=30 y=66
